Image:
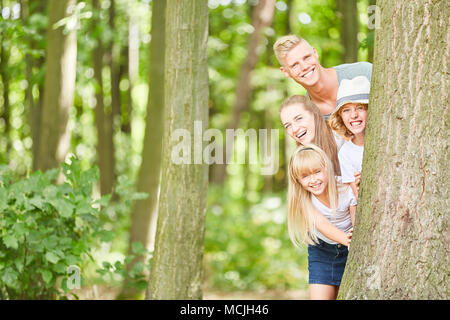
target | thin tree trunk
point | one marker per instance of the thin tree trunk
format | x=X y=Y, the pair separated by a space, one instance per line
x=145 y=214
x=177 y=271
x=262 y=16
x=349 y=30
x=114 y=65
x=370 y=35
x=59 y=87
x=401 y=241
x=4 y=74
x=103 y=121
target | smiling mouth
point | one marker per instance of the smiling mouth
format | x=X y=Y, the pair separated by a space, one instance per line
x=316 y=186
x=356 y=123
x=301 y=134
x=307 y=75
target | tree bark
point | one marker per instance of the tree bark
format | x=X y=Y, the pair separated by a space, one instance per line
x=177 y=271
x=61 y=54
x=401 y=241
x=349 y=30
x=262 y=17
x=145 y=214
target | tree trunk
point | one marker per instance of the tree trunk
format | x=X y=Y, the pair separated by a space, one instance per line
x=401 y=241
x=34 y=107
x=349 y=30
x=4 y=74
x=370 y=34
x=145 y=214
x=177 y=262
x=61 y=54
x=262 y=16
x=103 y=121
x=114 y=65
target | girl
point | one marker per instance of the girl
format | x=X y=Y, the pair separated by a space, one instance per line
x=314 y=194
x=349 y=120
x=304 y=123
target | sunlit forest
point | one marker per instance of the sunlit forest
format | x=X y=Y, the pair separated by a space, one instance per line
x=101 y=165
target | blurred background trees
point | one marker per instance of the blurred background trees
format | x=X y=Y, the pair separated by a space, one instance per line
x=85 y=78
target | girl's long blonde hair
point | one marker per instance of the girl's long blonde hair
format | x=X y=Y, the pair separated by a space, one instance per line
x=323 y=136
x=301 y=212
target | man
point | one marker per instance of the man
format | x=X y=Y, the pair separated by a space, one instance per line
x=300 y=62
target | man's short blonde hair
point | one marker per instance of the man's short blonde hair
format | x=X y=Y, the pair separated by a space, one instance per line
x=284 y=45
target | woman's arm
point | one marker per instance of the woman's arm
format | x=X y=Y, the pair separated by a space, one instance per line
x=330 y=231
x=352 y=210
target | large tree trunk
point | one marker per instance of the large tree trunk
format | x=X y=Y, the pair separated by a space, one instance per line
x=401 y=241
x=59 y=87
x=144 y=216
x=177 y=271
x=349 y=30
x=262 y=16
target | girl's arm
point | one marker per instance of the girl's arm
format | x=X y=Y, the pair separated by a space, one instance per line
x=352 y=210
x=330 y=231
x=355 y=189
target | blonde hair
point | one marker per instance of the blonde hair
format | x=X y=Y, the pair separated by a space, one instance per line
x=323 y=136
x=337 y=124
x=283 y=45
x=301 y=211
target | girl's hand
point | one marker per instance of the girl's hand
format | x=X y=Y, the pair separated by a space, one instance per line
x=349 y=238
x=357 y=178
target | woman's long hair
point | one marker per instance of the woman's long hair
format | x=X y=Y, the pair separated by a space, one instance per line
x=301 y=212
x=323 y=135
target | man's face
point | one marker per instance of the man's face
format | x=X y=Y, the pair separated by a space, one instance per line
x=301 y=63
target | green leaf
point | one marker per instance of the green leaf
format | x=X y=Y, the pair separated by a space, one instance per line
x=47 y=276
x=64 y=207
x=106 y=235
x=10 y=241
x=51 y=257
x=138 y=248
x=9 y=277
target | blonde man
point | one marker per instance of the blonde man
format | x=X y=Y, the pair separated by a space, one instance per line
x=300 y=62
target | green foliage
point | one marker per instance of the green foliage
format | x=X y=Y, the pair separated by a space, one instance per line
x=136 y=275
x=247 y=246
x=44 y=229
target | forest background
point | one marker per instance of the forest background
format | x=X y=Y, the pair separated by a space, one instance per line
x=247 y=248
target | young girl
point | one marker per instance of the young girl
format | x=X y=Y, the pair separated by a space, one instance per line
x=314 y=194
x=349 y=120
x=304 y=123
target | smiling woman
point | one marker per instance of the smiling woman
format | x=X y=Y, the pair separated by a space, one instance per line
x=304 y=123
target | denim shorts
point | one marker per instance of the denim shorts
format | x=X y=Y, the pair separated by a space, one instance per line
x=326 y=263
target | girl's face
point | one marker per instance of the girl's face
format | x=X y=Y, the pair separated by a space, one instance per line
x=315 y=182
x=299 y=123
x=354 y=116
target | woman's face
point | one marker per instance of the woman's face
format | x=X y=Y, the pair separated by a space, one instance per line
x=299 y=123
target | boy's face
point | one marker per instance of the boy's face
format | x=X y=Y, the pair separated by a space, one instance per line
x=354 y=116
x=301 y=64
